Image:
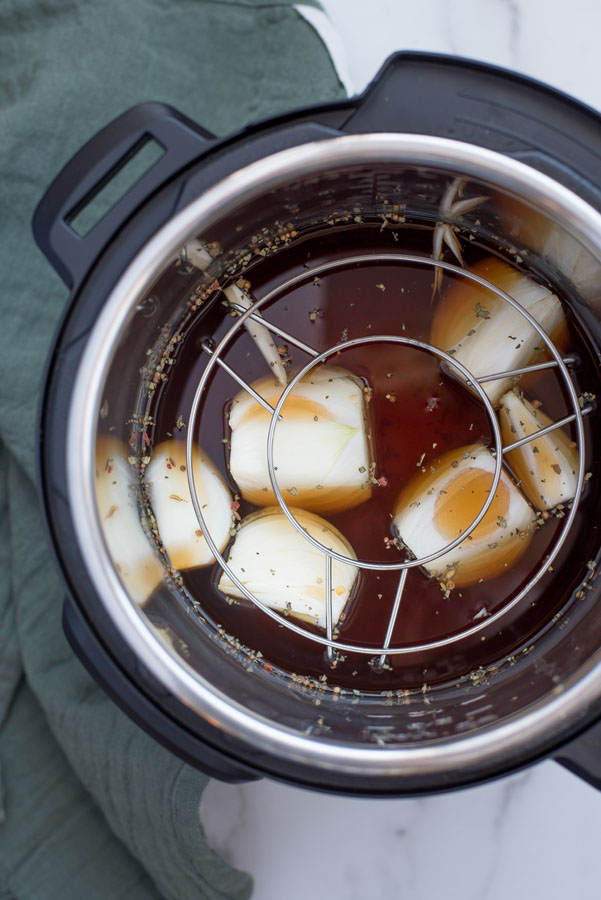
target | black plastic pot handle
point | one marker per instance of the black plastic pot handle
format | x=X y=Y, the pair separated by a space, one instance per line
x=94 y=166
x=450 y=97
x=582 y=756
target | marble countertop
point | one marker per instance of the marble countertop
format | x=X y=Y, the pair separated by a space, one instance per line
x=534 y=834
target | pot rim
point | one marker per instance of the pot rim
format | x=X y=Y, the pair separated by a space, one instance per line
x=487 y=750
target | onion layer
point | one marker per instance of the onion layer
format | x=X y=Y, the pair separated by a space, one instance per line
x=132 y=552
x=547 y=467
x=167 y=484
x=284 y=571
x=320 y=449
x=436 y=507
x=486 y=333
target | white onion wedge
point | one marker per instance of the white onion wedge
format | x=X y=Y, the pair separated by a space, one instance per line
x=284 y=571
x=436 y=507
x=533 y=231
x=169 y=494
x=575 y=262
x=130 y=549
x=320 y=448
x=200 y=257
x=486 y=333
x=548 y=466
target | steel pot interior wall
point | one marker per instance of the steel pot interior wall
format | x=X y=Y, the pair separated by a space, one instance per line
x=163 y=298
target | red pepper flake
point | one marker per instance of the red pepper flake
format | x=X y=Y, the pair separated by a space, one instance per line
x=268 y=667
x=146 y=439
x=132 y=439
x=383 y=482
x=235 y=506
x=109 y=465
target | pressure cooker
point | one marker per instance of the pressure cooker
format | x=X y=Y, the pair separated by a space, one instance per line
x=186 y=291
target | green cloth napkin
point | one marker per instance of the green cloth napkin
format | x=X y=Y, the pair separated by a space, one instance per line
x=90 y=807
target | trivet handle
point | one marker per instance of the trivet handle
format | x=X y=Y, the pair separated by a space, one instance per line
x=130 y=697
x=94 y=166
x=582 y=756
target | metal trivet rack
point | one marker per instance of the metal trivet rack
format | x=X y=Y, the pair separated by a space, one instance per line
x=315 y=358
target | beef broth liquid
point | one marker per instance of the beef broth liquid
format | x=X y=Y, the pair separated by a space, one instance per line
x=416 y=413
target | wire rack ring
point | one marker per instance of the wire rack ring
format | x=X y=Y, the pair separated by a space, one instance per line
x=404 y=341
x=252 y=313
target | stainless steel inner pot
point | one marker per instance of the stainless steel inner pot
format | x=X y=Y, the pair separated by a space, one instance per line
x=499 y=717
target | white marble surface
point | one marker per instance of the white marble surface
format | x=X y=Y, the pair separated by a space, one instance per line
x=535 y=834
x=556 y=41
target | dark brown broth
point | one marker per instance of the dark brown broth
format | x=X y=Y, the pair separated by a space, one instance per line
x=429 y=407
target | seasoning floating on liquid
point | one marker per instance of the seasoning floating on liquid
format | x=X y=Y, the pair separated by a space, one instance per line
x=284 y=571
x=547 y=466
x=320 y=449
x=436 y=507
x=167 y=484
x=133 y=554
x=486 y=333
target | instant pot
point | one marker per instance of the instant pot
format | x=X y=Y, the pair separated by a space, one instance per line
x=531 y=156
